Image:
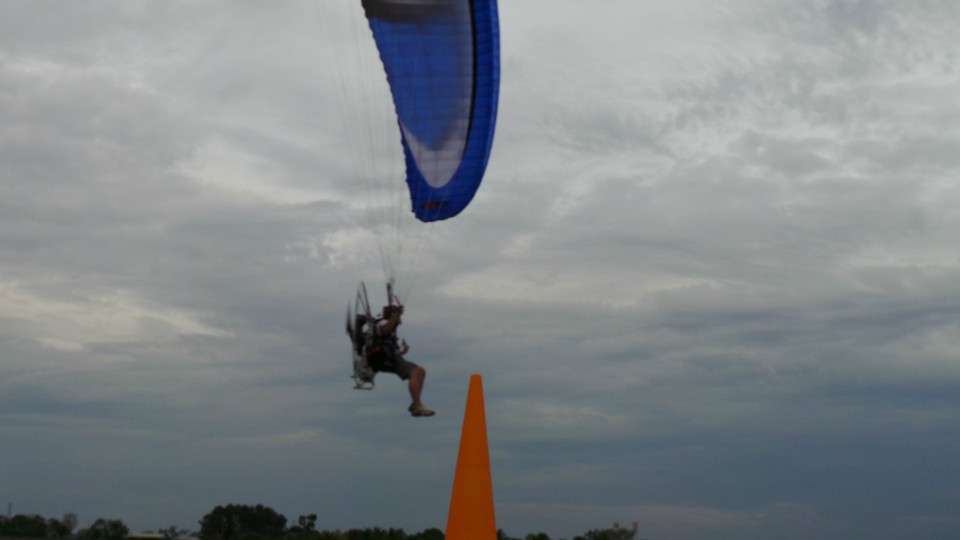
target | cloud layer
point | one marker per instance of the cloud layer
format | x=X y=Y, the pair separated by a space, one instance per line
x=711 y=279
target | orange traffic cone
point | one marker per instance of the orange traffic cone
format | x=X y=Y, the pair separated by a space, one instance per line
x=471 y=514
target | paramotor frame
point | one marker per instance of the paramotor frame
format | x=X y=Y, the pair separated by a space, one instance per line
x=361 y=325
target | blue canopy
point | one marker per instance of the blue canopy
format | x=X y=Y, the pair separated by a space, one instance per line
x=442 y=60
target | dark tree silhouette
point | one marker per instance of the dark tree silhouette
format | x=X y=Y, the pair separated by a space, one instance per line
x=607 y=534
x=427 y=534
x=238 y=520
x=23 y=526
x=105 y=529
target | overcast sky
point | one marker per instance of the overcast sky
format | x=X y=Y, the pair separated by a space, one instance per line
x=711 y=280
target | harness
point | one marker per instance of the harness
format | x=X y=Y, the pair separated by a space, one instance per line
x=382 y=350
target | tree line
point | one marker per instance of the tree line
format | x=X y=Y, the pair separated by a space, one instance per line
x=244 y=522
x=33 y=526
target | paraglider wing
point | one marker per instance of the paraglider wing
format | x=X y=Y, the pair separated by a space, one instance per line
x=441 y=59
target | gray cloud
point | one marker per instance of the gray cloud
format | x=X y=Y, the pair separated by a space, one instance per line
x=710 y=279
